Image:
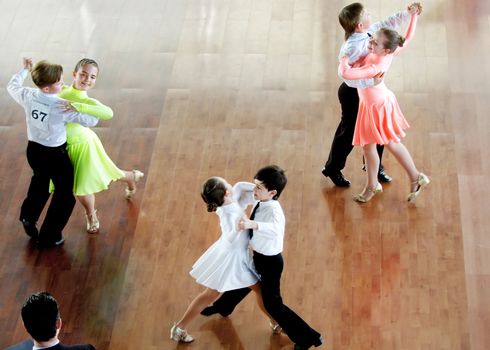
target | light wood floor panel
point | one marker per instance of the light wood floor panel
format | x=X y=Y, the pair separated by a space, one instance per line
x=202 y=88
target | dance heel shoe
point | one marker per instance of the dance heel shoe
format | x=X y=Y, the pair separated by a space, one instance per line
x=92 y=222
x=422 y=180
x=137 y=175
x=180 y=335
x=276 y=329
x=368 y=194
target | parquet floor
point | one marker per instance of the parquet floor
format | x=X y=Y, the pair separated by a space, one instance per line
x=223 y=87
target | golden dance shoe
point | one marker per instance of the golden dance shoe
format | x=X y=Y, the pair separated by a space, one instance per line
x=137 y=175
x=422 y=180
x=180 y=335
x=276 y=329
x=369 y=194
x=92 y=222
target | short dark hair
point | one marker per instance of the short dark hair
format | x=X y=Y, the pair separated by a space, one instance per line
x=273 y=178
x=350 y=17
x=44 y=73
x=40 y=313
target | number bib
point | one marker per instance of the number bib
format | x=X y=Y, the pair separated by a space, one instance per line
x=39 y=117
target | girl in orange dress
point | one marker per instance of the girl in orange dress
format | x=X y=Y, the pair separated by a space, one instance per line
x=380 y=119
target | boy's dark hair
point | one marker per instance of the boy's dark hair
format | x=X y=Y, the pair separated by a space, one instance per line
x=40 y=313
x=85 y=61
x=213 y=193
x=350 y=17
x=393 y=39
x=45 y=73
x=273 y=178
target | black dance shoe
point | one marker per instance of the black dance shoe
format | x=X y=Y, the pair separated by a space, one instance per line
x=30 y=228
x=337 y=178
x=384 y=177
x=49 y=244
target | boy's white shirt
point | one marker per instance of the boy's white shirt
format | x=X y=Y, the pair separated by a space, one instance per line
x=355 y=47
x=268 y=238
x=45 y=119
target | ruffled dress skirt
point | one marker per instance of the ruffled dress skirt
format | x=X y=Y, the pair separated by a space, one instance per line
x=93 y=169
x=226 y=266
x=379 y=119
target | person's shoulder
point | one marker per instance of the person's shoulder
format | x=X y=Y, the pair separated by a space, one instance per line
x=25 y=345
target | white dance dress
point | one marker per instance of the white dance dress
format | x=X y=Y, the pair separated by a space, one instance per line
x=227 y=264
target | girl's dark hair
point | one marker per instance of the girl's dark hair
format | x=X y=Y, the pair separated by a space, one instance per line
x=392 y=39
x=350 y=17
x=213 y=193
x=85 y=61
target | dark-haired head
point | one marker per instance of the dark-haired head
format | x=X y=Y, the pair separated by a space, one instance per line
x=273 y=178
x=213 y=192
x=349 y=17
x=44 y=73
x=41 y=316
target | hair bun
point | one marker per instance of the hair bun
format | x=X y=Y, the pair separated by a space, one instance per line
x=212 y=207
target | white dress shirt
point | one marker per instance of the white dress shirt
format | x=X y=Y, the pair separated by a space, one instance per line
x=356 y=45
x=268 y=239
x=45 y=117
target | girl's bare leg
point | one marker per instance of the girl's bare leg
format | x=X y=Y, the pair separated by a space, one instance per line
x=197 y=305
x=88 y=202
x=372 y=165
x=403 y=157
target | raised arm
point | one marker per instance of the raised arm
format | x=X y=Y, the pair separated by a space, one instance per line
x=409 y=34
x=243 y=194
x=393 y=22
x=16 y=89
x=364 y=72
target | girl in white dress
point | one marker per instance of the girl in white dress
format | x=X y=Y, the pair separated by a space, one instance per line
x=227 y=264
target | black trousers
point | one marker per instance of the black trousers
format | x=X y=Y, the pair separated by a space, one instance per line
x=270 y=269
x=342 y=140
x=49 y=163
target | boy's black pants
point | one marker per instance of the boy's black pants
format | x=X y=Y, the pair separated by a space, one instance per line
x=49 y=163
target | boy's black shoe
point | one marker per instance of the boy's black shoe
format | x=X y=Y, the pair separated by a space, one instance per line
x=211 y=310
x=305 y=347
x=48 y=244
x=30 y=228
x=337 y=178
x=384 y=177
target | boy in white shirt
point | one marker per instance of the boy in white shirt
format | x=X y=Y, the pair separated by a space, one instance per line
x=356 y=22
x=267 y=225
x=46 y=116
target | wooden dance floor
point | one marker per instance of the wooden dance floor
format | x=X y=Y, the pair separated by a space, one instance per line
x=223 y=87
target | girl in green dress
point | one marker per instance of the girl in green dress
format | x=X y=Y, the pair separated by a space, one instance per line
x=93 y=168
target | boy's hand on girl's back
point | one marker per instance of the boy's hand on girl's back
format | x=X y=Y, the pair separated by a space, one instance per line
x=65 y=106
x=378 y=78
x=27 y=61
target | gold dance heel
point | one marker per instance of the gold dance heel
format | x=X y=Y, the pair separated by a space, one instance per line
x=180 y=335
x=422 y=180
x=137 y=175
x=370 y=192
x=93 y=224
x=276 y=329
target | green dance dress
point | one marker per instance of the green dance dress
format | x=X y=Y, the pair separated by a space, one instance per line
x=93 y=168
